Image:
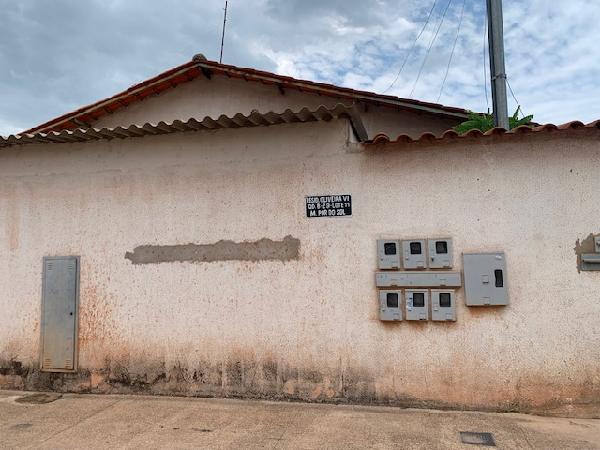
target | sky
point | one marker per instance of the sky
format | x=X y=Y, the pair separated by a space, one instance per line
x=58 y=55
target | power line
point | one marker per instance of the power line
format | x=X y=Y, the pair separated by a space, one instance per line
x=462 y=12
x=429 y=48
x=412 y=48
x=514 y=97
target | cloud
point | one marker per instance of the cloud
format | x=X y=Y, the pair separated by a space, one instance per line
x=57 y=56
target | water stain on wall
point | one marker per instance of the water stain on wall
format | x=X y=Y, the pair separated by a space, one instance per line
x=13 y=221
x=239 y=376
x=98 y=330
x=262 y=250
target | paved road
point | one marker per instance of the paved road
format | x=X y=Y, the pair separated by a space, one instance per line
x=93 y=421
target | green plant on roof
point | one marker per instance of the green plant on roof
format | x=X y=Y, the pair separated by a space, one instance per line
x=485 y=122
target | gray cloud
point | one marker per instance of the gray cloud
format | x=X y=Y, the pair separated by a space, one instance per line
x=59 y=55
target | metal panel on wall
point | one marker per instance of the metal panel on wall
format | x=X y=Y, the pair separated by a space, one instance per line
x=485 y=279
x=60 y=292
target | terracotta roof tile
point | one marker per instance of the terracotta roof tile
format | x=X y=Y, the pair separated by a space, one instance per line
x=451 y=135
x=254 y=119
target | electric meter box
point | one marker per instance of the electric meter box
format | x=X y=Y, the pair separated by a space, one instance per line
x=440 y=253
x=390 y=306
x=388 y=254
x=417 y=304
x=443 y=305
x=413 y=252
x=485 y=279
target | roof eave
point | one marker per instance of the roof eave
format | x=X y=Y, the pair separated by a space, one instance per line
x=252 y=120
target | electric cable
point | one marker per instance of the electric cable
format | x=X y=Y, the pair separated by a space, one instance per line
x=412 y=48
x=429 y=48
x=514 y=97
x=462 y=12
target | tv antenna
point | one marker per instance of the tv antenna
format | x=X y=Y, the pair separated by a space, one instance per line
x=223 y=34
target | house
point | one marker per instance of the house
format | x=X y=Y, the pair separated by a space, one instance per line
x=222 y=231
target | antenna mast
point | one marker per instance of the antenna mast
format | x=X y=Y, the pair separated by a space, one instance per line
x=223 y=35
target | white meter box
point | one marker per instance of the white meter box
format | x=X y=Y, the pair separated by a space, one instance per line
x=485 y=279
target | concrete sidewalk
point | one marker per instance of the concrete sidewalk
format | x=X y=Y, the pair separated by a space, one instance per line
x=92 y=421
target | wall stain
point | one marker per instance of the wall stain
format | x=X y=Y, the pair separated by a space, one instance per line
x=97 y=327
x=262 y=250
x=13 y=224
x=240 y=376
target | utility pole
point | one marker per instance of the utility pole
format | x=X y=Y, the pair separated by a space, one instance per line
x=497 y=70
x=223 y=35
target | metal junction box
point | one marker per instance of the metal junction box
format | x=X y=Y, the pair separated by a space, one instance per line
x=388 y=253
x=414 y=254
x=418 y=279
x=417 y=304
x=443 y=305
x=485 y=279
x=390 y=306
x=440 y=253
x=590 y=261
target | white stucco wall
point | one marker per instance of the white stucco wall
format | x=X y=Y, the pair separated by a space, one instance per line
x=220 y=95
x=307 y=328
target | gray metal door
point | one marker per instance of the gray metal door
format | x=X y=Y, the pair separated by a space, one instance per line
x=60 y=289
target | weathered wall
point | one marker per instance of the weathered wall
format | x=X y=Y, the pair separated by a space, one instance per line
x=220 y=95
x=307 y=326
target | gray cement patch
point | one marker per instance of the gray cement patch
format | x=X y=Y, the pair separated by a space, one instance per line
x=262 y=250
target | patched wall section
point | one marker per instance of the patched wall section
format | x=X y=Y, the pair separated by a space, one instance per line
x=262 y=250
